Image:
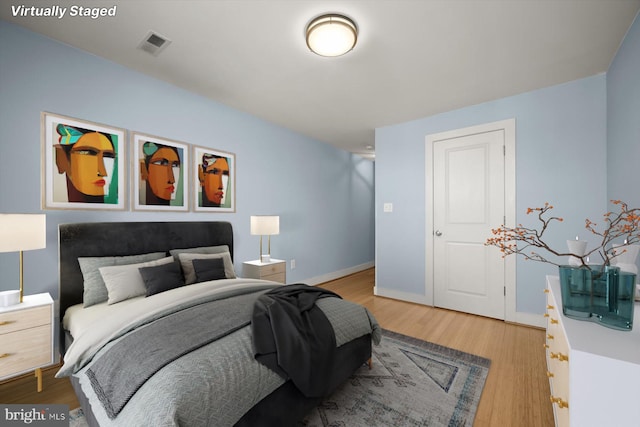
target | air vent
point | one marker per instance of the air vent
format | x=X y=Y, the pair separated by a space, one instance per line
x=154 y=43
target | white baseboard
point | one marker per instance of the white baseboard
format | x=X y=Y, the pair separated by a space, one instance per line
x=402 y=296
x=337 y=274
x=527 y=319
x=530 y=319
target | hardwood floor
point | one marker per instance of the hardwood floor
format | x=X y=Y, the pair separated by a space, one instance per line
x=516 y=392
x=517 y=389
x=55 y=391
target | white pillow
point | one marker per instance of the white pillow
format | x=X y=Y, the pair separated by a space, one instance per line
x=124 y=281
x=186 y=261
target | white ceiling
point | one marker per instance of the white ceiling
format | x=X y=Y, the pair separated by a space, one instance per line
x=413 y=58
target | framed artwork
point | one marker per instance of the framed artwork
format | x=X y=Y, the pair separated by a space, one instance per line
x=160 y=171
x=84 y=164
x=214 y=173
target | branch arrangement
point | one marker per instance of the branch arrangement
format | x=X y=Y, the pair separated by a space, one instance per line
x=520 y=240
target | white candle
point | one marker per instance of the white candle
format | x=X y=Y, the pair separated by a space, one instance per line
x=578 y=248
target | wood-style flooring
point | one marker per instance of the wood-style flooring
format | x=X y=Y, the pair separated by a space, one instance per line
x=516 y=392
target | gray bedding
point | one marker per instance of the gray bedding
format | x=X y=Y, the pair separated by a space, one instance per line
x=213 y=385
x=115 y=380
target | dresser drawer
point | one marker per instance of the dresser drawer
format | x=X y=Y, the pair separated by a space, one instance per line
x=557 y=362
x=24 y=319
x=25 y=350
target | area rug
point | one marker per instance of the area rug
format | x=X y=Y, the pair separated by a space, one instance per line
x=411 y=383
x=76 y=418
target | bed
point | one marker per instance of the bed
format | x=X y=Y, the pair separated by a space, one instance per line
x=148 y=351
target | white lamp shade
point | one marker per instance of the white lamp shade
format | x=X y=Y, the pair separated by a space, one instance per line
x=22 y=232
x=331 y=35
x=265 y=225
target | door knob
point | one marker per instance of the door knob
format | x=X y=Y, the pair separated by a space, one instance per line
x=438 y=233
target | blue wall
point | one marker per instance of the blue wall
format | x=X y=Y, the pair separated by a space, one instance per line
x=562 y=157
x=623 y=120
x=324 y=196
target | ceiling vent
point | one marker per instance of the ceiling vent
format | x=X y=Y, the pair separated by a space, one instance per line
x=154 y=43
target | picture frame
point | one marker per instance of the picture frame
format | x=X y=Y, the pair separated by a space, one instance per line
x=214 y=183
x=160 y=171
x=83 y=164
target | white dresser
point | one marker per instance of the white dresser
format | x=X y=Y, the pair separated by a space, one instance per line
x=594 y=371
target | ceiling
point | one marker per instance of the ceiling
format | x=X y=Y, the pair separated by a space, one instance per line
x=413 y=59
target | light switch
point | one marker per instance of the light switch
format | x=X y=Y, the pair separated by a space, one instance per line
x=388 y=207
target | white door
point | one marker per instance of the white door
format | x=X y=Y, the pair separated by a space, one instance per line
x=468 y=201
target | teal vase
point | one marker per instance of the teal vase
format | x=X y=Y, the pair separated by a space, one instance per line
x=597 y=293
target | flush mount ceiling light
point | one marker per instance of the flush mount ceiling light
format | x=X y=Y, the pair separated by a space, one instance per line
x=331 y=35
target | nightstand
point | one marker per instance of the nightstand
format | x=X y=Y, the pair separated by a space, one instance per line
x=26 y=337
x=273 y=270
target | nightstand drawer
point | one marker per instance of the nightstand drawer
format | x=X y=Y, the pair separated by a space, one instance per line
x=25 y=350
x=271 y=269
x=278 y=277
x=275 y=270
x=24 y=319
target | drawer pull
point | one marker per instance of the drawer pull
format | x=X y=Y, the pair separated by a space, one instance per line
x=545 y=315
x=545 y=345
x=561 y=357
x=553 y=321
x=7 y=322
x=546 y=291
x=561 y=403
x=549 y=336
x=550 y=307
x=550 y=374
x=3 y=355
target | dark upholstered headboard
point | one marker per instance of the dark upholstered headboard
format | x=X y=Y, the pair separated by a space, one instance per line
x=127 y=238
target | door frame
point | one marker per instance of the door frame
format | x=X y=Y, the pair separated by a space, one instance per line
x=509 y=128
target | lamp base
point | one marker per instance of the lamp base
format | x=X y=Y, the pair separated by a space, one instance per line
x=265 y=258
x=8 y=298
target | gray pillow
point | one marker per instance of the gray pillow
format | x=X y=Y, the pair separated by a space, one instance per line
x=124 y=281
x=201 y=250
x=186 y=261
x=209 y=269
x=162 y=277
x=95 y=290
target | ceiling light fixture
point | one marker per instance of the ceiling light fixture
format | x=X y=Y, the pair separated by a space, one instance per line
x=331 y=35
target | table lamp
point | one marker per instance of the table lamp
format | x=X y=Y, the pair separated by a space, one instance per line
x=22 y=232
x=265 y=225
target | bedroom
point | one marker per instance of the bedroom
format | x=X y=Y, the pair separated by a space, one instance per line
x=345 y=209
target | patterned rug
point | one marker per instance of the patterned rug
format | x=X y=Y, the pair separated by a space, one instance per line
x=412 y=383
x=76 y=418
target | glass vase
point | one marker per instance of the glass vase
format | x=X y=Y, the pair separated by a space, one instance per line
x=600 y=294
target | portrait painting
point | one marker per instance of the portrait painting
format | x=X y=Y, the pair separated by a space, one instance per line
x=214 y=180
x=84 y=164
x=160 y=171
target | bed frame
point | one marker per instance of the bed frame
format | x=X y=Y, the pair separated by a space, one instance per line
x=127 y=238
x=286 y=405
